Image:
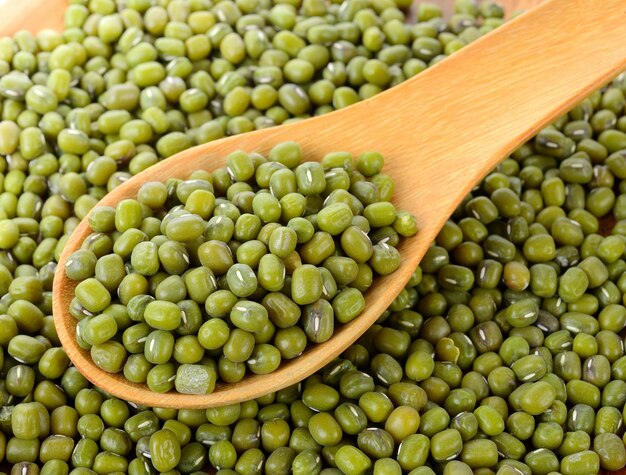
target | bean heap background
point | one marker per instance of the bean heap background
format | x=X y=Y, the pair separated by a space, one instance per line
x=503 y=352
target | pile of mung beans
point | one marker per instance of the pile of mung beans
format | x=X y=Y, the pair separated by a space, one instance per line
x=502 y=355
x=206 y=278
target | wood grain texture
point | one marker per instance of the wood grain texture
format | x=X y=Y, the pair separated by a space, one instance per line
x=31 y=15
x=440 y=132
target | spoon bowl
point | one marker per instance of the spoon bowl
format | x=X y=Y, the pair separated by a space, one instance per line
x=440 y=132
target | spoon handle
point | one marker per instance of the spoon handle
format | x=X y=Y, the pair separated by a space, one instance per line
x=501 y=91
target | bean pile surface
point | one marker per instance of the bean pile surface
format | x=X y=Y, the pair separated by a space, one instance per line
x=502 y=355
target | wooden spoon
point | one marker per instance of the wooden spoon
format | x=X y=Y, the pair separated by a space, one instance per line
x=440 y=132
